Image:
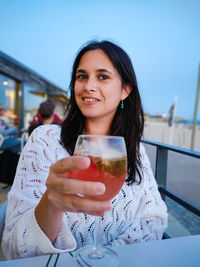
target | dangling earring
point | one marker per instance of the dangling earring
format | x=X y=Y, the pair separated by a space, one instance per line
x=122 y=104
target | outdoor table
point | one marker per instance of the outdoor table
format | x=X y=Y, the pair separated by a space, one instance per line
x=174 y=252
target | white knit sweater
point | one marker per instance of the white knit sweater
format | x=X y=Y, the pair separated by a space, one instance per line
x=138 y=214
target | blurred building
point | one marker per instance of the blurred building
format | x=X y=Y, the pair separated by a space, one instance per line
x=22 y=90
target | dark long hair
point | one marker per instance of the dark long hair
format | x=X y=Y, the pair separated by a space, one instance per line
x=127 y=122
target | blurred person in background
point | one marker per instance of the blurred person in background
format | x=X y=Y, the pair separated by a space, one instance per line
x=9 y=133
x=44 y=116
x=38 y=118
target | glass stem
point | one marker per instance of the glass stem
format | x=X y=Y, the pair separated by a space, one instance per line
x=97 y=253
x=97 y=234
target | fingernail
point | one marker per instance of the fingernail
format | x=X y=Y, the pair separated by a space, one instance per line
x=100 y=188
x=87 y=160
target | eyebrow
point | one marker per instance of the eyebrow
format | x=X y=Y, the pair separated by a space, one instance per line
x=99 y=70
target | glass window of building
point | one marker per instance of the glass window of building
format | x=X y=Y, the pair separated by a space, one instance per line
x=8 y=100
x=32 y=99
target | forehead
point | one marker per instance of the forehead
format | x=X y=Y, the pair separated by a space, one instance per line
x=95 y=59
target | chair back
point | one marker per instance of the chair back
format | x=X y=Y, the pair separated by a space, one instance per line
x=24 y=139
x=3 y=209
x=1 y=139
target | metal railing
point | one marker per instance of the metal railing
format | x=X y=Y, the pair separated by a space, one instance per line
x=161 y=173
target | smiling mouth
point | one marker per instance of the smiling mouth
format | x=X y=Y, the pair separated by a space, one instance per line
x=90 y=99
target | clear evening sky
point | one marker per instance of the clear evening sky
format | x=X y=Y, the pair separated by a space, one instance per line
x=162 y=38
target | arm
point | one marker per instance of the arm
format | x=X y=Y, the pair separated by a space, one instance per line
x=7 y=130
x=11 y=131
x=34 y=221
x=2 y=130
x=61 y=195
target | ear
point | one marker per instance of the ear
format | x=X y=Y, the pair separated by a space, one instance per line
x=126 y=91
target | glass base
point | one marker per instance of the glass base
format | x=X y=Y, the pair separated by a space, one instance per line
x=90 y=256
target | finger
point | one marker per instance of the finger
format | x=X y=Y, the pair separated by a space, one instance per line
x=97 y=213
x=75 y=203
x=71 y=163
x=73 y=186
x=78 y=204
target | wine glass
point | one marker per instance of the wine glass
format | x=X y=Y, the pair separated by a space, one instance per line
x=109 y=166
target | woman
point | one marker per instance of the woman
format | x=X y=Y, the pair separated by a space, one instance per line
x=45 y=212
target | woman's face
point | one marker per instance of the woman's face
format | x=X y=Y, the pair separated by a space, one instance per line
x=98 y=87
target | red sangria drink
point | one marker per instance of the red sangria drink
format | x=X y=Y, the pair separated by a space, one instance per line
x=111 y=172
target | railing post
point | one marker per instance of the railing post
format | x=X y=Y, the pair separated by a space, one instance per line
x=161 y=167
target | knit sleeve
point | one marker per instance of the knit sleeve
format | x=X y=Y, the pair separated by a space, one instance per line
x=150 y=220
x=22 y=235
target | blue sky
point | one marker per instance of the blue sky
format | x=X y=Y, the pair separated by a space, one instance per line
x=161 y=37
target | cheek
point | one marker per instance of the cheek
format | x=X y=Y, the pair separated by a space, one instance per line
x=76 y=93
x=76 y=90
x=114 y=94
x=77 y=99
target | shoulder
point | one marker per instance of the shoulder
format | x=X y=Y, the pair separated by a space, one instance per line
x=35 y=119
x=147 y=173
x=56 y=118
x=45 y=140
x=142 y=148
x=46 y=134
x=34 y=126
x=48 y=131
x=143 y=154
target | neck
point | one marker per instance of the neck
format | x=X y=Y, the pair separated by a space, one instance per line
x=99 y=127
x=48 y=121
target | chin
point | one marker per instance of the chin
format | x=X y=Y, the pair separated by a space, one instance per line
x=89 y=113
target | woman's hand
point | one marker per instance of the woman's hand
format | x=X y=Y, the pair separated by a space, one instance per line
x=65 y=193
x=62 y=195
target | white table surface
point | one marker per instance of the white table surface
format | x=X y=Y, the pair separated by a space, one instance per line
x=175 y=252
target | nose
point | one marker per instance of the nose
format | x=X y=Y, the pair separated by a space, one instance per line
x=90 y=85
